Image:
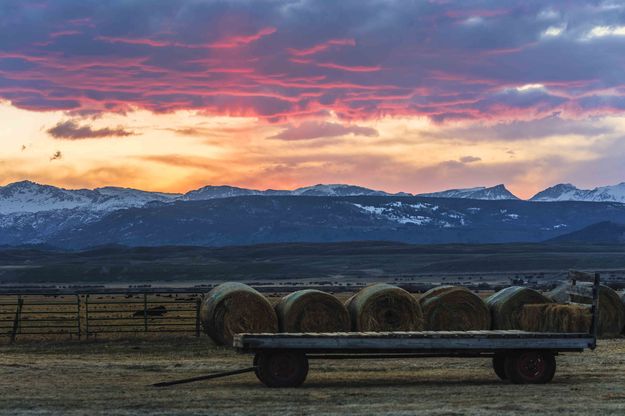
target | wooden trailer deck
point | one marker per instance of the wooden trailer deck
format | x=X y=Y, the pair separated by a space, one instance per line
x=482 y=342
x=281 y=360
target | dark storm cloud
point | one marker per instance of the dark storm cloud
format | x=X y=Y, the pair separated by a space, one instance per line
x=291 y=59
x=71 y=130
x=56 y=156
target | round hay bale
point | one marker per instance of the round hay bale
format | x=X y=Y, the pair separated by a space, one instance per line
x=382 y=307
x=611 y=308
x=506 y=305
x=435 y=292
x=554 y=317
x=454 y=308
x=312 y=310
x=233 y=308
x=560 y=293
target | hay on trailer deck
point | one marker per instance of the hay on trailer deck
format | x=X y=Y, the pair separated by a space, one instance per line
x=506 y=305
x=611 y=308
x=382 y=307
x=454 y=308
x=312 y=310
x=233 y=308
x=555 y=317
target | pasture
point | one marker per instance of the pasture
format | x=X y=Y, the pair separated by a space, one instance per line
x=113 y=378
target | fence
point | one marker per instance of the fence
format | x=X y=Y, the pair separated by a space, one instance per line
x=87 y=315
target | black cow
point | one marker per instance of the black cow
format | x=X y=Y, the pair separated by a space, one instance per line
x=154 y=311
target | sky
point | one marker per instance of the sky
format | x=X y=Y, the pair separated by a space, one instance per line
x=399 y=95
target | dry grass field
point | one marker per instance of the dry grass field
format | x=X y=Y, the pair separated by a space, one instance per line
x=113 y=378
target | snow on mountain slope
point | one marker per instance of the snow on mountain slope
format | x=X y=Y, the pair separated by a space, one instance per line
x=27 y=196
x=214 y=192
x=559 y=192
x=119 y=198
x=336 y=190
x=494 y=193
x=568 y=192
x=30 y=197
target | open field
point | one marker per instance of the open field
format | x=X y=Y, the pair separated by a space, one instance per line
x=309 y=264
x=72 y=378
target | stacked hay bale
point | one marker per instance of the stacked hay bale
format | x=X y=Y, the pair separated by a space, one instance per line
x=555 y=317
x=506 y=306
x=611 y=309
x=312 y=311
x=233 y=308
x=454 y=308
x=382 y=307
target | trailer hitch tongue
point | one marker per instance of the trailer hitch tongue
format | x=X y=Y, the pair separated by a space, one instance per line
x=206 y=377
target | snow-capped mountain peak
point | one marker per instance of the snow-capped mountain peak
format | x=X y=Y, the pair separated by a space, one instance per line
x=218 y=191
x=27 y=196
x=113 y=197
x=568 y=192
x=223 y=191
x=498 y=192
x=610 y=193
x=336 y=189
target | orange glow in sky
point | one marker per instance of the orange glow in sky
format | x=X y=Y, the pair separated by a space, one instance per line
x=175 y=95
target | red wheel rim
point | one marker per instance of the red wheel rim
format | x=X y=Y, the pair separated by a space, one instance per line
x=283 y=366
x=531 y=365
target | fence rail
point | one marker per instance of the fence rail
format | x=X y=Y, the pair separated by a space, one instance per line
x=87 y=315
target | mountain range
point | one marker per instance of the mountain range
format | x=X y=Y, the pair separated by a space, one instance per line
x=568 y=192
x=494 y=193
x=31 y=213
x=31 y=197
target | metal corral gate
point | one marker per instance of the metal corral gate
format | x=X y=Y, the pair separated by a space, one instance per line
x=84 y=314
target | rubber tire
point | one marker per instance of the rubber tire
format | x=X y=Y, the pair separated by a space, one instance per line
x=269 y=363
x=499 y=365
x=515 y=360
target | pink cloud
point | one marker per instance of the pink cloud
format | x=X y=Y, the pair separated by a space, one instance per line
x=236 y=41
x=348 y=68
x=277 y=64
x=322 y=47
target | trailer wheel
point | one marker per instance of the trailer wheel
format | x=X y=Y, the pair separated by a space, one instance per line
x=499 y=365
x=281 y=368
x=530 y=367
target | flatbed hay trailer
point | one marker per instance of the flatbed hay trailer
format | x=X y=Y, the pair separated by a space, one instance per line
x=281 y=360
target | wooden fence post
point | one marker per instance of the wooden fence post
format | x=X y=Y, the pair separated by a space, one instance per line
x=145 y=311
x=78 y=314
x=87 y=316
x=16 y=321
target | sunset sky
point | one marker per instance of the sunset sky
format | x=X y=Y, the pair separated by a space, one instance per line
x=171 y=95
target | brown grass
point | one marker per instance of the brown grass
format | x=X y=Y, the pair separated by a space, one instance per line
x=112 y=378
